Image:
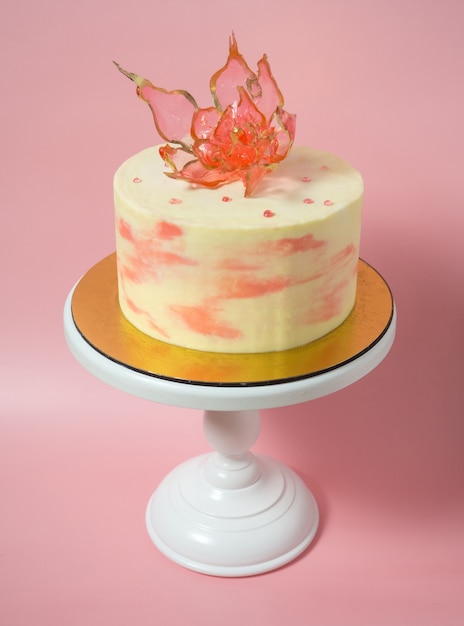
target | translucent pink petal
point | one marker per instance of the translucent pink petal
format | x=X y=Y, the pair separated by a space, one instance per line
x=204 y=122
x=196 y=173
x=287 y=121
x=270 y=97
x=254 y=176
x=235 y=73
x=247 y=112
x=209 y=153
x=283 y=145
x=284 y=134
x=226 y=124
x=176 y=158
x=172 y=110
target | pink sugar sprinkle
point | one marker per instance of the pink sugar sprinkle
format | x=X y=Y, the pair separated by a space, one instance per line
x=324 y=167
x=136 y=180
x=328 y=202
x=308 y=201
x=226 y=199
x=268 y=213
x=175 y=201
x=306 y=179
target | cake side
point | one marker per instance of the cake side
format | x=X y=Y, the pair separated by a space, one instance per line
x=211 y=270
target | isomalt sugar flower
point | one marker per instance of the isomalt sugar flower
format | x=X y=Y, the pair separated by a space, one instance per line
x=243 y=136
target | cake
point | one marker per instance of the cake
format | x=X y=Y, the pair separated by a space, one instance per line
x=231 y=253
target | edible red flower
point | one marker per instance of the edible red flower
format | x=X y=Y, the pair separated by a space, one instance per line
x=245 y=135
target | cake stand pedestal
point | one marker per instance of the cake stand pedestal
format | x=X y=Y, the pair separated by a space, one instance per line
x=228 y=512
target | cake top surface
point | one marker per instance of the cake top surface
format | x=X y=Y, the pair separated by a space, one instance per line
x=308 y=185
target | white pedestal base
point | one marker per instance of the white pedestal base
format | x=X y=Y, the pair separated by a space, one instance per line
x=230 y=512
x=238 y=532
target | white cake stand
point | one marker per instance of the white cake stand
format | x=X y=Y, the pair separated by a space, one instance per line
x=228 y=512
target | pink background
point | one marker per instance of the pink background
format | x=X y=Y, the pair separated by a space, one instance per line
x=378 y=82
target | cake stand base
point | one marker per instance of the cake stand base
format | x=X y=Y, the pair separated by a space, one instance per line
x=244 y=532
x=230 y=512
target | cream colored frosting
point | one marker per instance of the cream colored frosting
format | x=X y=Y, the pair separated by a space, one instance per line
x=212 y=270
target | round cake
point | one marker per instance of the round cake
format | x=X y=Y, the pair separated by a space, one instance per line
x=212 y=270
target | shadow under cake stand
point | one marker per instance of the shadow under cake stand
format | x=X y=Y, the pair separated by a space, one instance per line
x=228 y=512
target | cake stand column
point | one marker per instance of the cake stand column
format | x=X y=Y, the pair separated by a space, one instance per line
x=230 y=512
x=231 y=434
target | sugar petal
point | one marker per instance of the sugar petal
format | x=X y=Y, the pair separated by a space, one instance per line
x=195 y=172
x=254 y=176
x=176 y=158
x=172 y=110
x=235 y=73
x=270 y=97
x=204 y=122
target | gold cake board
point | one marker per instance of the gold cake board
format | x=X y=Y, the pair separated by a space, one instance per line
x=98 y=318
